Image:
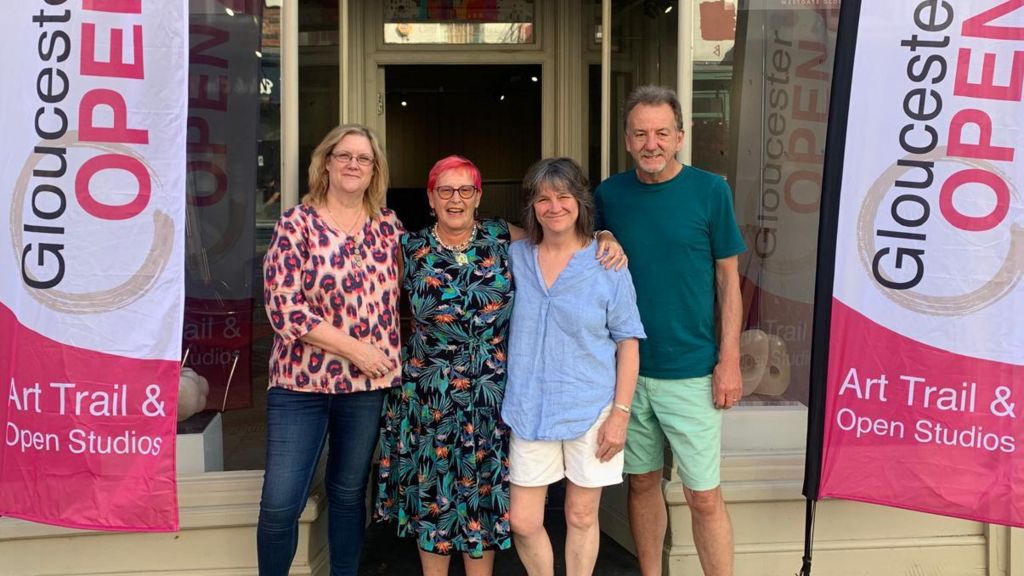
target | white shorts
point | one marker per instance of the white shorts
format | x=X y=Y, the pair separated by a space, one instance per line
x=542 y=462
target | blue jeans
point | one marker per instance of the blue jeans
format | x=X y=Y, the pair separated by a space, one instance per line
x=299 y=424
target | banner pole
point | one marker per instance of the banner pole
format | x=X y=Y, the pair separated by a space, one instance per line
x=805 y=568
x=832 y=177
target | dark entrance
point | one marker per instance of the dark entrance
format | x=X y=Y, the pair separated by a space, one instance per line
x=490 y=114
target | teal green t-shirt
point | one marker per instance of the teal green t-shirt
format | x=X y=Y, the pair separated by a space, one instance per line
x=673 y=232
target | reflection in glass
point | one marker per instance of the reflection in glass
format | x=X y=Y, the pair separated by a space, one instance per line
x=459 y=22
x=233 y=199
x=455 y=10
x=777 y=112
x=712 y=95
x=459 y=33
x=318 y=78
x=268 y=158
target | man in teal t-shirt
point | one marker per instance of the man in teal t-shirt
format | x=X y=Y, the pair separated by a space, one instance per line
x=677 y=225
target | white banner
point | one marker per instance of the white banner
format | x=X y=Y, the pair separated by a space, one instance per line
x=91 y=302
x=925 y=400
x=936 y=230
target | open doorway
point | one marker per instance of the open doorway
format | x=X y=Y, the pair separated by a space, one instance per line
x=490 y=114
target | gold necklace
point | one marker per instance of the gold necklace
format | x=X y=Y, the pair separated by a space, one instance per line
x=349 y=233
x=459 y=250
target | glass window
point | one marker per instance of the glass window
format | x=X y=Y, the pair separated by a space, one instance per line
x=459 y=22
x=233 y=201
x=713 y=43
x=644 y=48
x=760 y=111
x=319 y=64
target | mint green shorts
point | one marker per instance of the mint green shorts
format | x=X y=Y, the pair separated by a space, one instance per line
x=683 y=412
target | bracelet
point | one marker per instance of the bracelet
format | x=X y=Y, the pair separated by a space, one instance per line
x=624 y=407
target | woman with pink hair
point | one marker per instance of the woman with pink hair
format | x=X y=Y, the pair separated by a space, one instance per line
x=443 y=472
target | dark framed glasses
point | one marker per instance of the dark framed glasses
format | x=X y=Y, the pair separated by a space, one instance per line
x=446 y=192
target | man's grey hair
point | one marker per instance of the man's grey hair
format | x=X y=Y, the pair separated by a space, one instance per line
x=652 y=95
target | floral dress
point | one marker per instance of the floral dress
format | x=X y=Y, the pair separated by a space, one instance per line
x=443 y=471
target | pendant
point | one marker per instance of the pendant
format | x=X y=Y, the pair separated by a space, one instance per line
x=461 y=259
x=354 y=252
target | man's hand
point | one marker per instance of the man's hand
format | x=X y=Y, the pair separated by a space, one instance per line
x=726 y=381
x=610 y=252
x=726 y=384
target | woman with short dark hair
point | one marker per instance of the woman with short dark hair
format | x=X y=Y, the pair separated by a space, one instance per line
x=573 y=364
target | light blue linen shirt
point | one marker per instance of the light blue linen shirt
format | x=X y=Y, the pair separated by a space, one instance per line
x=562 y=343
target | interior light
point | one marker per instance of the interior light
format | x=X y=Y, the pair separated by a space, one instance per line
x=259 y=54
x=229 y=11
x=404 y=103
x=502 y=98
x=668 y=9
x=533 y=78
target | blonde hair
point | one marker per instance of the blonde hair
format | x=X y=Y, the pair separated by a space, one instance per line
x=319 y=180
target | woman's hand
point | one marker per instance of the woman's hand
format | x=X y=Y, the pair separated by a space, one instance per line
x=371 y=360
x=611 y=436
x=609 y=251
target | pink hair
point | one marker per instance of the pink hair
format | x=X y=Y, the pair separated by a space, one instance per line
x=453 y=163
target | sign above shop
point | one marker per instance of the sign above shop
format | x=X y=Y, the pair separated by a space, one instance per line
x=459 y=11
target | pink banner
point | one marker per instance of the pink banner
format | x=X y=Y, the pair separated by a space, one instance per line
x=92 y=295
x=915 y=426
x=88 y=437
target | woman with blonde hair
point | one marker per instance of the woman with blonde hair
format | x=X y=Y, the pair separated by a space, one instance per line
x=331 y=293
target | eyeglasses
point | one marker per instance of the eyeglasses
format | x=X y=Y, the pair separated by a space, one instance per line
x=446 y=192
x=345 y=158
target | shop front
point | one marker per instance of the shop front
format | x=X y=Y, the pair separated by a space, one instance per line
x=505 y=83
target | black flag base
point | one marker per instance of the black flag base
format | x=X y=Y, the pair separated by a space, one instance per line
x=805 y=568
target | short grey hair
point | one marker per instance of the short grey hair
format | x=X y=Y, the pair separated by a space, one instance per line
x=562 y=174
x=652 y=95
